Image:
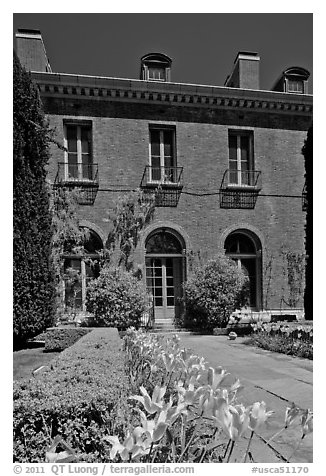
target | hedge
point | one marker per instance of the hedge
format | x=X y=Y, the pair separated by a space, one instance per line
x=59 y=338
x=34 y=282
x=81 y=398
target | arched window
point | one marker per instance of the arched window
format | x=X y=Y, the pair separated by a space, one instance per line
x=163 y=242
x=245 y=249
x=165 y=271
x=79 y=269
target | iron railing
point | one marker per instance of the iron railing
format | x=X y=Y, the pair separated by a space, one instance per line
x=165 y=176
x=240 y=188
x=148 y=317
x=76 y=173
x=242 y=179
x=83 y=177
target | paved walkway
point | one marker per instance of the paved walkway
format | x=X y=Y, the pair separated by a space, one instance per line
x=275 y=378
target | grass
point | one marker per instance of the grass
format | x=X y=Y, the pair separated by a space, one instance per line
x=27 y=360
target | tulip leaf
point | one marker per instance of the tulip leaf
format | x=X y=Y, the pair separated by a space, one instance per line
x=159 y=431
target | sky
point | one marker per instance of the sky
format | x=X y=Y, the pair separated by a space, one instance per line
x=203 y=46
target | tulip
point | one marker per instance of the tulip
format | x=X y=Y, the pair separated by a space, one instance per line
x=216 y=376
x=258 y=415
x=154 y=404
x=307 y=422
x=291 y=413
x=234 y=420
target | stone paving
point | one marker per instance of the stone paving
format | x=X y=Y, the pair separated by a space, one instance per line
x=275 y=378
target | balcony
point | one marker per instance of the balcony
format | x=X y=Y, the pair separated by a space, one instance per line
x=165 y=182
x=83 y=177
x=240 y=189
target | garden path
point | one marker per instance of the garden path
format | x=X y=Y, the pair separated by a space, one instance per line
x=275 y=378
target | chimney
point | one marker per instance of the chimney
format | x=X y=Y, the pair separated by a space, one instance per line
x=245 y=73
x=31 y=51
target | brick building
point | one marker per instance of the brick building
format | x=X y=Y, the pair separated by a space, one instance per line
x=227 y=160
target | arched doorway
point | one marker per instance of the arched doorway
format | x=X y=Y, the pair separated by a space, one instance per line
x=245 y=249
x=79 y=269
x=165 y=271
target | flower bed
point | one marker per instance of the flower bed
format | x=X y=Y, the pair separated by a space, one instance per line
x=79 y=399
x=185 y=411
x=291 y=339
x=179 y=408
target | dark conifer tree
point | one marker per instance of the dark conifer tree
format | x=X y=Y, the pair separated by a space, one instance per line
x=34 y=286
x=307 y=151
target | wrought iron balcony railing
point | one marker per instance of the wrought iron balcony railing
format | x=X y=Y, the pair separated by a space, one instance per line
x=164 y=176
x=76 y=173
x=240 y=188
x=83 y=177
x=244 y=179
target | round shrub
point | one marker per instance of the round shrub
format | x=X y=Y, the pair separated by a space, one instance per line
x=116 y=299
x=213 y=292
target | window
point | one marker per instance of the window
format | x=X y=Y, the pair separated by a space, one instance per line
x=157 y=74
x=244 y=248
x=79 y=269
x=78 y=156
x=162 y=156
x=295 y=86
x=241 y=167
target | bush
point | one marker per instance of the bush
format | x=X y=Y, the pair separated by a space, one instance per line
x=116 y=299
x=213 y=293
x=79 y=399
x=33 y=273
x=59 y=338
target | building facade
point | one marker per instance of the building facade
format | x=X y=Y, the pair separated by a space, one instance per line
x=225 y=162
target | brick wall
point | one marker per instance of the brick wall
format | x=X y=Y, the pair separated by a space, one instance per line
x=121 y=148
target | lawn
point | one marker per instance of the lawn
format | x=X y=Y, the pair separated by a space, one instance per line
x=27 y=360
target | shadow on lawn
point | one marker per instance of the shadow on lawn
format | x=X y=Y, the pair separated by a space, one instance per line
x=25 y=361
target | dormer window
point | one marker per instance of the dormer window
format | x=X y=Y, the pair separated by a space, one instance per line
x=293 y=80
x=155 y=67
x=295 y=86
x=157 y=74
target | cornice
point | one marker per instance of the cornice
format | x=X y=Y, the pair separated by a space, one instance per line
x=179 y=94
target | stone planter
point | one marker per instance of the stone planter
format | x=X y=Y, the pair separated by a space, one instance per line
x=232 y=336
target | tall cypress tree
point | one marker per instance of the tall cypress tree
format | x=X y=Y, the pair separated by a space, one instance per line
x=307 y=151
x=34 y=287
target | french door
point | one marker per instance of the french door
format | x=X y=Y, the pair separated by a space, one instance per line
x=78 y=156
x=78 y=273
x=249 y=268
x=162 y=156
x=240 y=159
x=163 y=279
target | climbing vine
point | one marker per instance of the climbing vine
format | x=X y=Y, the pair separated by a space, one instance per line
x=294 y=271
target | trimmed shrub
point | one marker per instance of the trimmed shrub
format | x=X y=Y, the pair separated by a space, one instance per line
x=213 y=292
x=33 y=271
x=59 y=338
x=116 y=299
x=81 y=399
